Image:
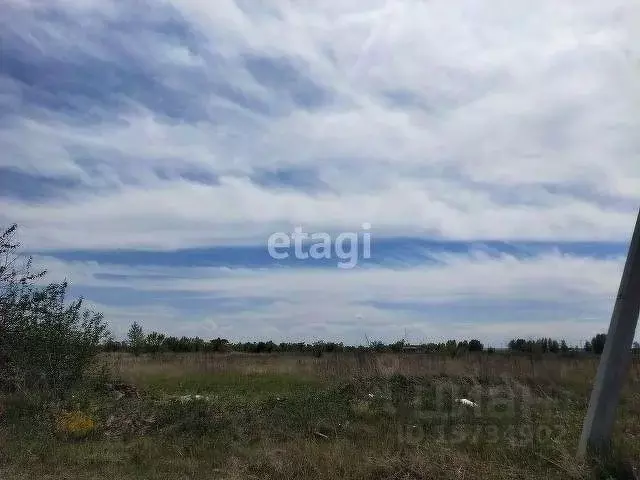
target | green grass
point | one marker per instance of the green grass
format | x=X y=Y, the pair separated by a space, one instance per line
x=250 y=385
x=300 y=426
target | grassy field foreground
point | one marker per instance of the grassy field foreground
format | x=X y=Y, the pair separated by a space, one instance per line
x=351 y=416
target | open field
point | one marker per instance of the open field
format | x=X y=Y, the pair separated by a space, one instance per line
x=352 y=416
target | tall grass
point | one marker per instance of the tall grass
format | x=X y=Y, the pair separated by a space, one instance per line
x=544 y=368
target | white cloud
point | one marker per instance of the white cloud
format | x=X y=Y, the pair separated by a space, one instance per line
x=493 y=298
x=180 y=214
x=489 y=97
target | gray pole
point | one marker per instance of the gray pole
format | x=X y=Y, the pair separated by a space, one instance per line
x=616 y=357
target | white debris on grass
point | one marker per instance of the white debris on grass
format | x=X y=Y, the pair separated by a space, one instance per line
x=466 y=402
x=190 y=398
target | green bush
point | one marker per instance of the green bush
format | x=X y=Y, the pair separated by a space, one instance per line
x=45 y=343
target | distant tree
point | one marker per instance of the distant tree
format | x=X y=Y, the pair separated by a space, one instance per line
x=318 y=349
x=588 y=347
x=520 y=345
x=171 y=343
x=429 y=347
x=597 y=343
x=185 y=344
x=136 y=339
x=197 y=345
x=154 y=342
x=564 y=348
x=377 y=346
x=475 y=346
x=538 y=347
x=260 y=347
x=219 y=344
x=451 y=347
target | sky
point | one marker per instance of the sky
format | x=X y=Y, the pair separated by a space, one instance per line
x=485 y=151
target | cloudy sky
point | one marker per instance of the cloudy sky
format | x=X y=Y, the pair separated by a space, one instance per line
x=149 y=149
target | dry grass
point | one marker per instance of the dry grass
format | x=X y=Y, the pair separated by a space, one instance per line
x=351 y=416
x=547 y=368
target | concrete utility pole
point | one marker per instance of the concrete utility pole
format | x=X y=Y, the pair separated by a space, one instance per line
x=615 y=360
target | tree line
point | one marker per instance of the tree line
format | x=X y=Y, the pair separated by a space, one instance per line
x=138 y=342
